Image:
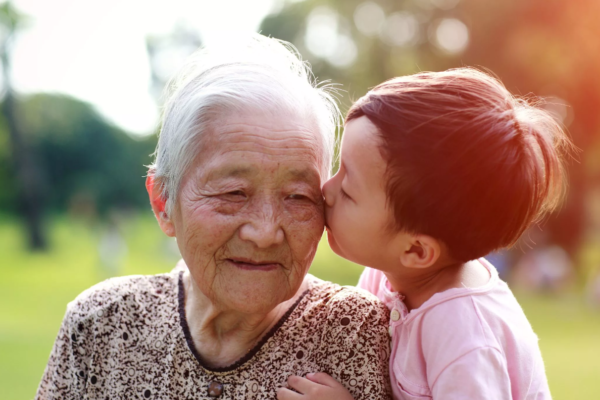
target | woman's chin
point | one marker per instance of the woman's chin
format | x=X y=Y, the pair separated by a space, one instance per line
x=254 y=290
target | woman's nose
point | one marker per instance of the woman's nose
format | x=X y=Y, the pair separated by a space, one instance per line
x=263 y=228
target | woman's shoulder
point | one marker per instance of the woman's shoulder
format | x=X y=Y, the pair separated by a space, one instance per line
x=345 y=330
x=346 y=303
x=134 y=293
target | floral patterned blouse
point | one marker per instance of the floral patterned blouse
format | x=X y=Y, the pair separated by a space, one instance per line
x=127 y=338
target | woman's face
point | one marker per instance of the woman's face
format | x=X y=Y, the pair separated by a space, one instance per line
x=250 y=210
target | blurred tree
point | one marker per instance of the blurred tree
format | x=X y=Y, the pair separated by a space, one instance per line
x=546 y=47
x=549 y=48
x=83 y=156
x=167 y=53
x=63 y=154
x=29 y=188
x=363 y=43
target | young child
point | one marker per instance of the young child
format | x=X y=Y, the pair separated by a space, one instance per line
x=438 y=170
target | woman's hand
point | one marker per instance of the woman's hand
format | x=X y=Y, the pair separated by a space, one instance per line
x=319 y=386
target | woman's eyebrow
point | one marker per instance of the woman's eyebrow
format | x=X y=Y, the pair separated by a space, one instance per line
x=300 y=175
x=230 y=172
x=304 y=174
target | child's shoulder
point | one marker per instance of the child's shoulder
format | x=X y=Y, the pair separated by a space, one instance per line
x=371 y=280
x=456 y=317
x=486 y=319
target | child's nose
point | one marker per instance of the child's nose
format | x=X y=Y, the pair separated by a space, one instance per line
x=328 y=192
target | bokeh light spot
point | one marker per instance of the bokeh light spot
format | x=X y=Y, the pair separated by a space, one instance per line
x=369 y=18
x=451 y=35
x=321 y=36
x=445 y=4
x=400 y=29
x=560 y=109
x=324 y=40
x=345 y=52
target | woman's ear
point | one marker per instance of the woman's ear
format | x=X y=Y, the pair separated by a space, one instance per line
x=158 y=203
x=421 y=251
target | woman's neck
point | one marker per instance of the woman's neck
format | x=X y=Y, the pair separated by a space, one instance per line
x=222 y=336
x=419 y=285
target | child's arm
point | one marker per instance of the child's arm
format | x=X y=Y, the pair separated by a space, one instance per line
x=319 y=386
x=480 y=374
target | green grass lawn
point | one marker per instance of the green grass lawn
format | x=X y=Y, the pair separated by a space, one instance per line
x=35 y=288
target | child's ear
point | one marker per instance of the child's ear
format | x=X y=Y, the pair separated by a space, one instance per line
x=158 y=203
x=421 y=251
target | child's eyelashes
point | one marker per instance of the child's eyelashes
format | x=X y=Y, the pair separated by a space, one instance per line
x=345 y=195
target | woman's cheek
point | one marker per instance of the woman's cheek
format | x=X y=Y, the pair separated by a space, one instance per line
x=216 y=205
x=228 y=207
x=305 y=211
x=207 y=222
x=305 y=227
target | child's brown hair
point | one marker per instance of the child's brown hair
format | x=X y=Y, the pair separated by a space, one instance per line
x=468 y=163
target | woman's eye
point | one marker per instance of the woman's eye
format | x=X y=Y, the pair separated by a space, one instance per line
x=235 y=195
x=297 y=196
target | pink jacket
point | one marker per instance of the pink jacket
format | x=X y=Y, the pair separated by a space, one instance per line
x=463 y=343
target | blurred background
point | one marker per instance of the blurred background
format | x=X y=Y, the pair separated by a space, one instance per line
x=80 y=104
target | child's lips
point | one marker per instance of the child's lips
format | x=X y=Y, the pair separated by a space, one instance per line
x=332 y=242
x=329 y=233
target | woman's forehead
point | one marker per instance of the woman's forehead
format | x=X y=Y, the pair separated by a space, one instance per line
x=249 y=170
x=247 y=136
x=255 y=144
x=264 y=125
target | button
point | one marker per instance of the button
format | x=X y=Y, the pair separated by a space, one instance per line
x=391 y=330
x=215 y=389
x=395 y=316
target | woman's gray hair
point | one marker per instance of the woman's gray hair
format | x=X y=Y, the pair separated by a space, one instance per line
x=254 y=73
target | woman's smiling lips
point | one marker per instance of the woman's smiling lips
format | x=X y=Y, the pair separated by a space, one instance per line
x=252 y=265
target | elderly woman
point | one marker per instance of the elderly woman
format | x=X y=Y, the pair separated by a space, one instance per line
x=246 y=143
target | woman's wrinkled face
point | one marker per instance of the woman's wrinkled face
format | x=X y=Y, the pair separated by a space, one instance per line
x=250 y=210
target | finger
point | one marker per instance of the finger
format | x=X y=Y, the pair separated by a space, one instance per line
x=287 y=394
x=300 y=384
x=323 y=379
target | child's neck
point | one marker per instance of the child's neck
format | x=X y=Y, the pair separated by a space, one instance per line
x=419 y=285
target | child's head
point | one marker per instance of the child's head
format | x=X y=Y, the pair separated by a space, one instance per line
x=449 y=157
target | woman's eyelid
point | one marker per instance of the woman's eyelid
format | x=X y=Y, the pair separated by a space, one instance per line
x=298 y=196
x=232 y=190
x=302 y=195
x=233 y=186
x=302 y=188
